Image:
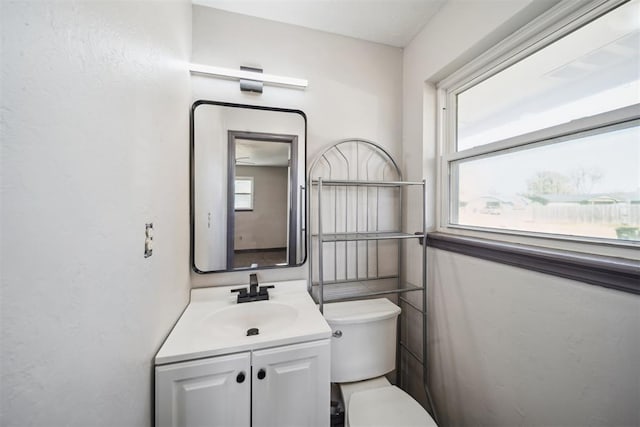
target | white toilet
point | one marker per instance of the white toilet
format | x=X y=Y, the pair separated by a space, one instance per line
x=363 y=350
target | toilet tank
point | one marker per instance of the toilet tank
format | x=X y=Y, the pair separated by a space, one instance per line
x=363 y=344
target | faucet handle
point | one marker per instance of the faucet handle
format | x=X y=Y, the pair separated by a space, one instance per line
x=242 y=291
x=263 y=289
x=253 y=279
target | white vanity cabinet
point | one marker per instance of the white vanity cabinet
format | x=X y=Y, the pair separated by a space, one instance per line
x=295 y=386
x=209 y=392
x=211 y=371
x=275 y=387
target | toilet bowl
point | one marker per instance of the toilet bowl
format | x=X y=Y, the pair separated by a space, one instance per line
x=363 y=350
x=377 y=402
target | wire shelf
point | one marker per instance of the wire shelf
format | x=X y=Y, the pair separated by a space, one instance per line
x=353 y=237
x=355 y=196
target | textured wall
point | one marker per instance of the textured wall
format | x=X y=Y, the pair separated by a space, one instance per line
x=516 y=347
x=95 y=101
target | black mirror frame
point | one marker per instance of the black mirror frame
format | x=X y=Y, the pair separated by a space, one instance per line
x=195 y=105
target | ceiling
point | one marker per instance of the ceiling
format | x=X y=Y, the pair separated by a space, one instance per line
x=390 y=22
x=261 y=153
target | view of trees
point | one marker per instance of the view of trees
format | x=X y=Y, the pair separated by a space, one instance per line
x=579 y=181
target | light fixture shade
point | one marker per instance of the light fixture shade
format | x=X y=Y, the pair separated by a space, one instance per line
x=268 y=79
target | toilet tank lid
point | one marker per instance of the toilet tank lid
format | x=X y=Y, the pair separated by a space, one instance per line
x=360 y=311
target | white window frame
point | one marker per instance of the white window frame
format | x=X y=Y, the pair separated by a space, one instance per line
x=541 y=32
x=244 y=178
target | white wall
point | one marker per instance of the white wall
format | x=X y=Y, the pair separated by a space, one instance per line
x=95 y=101
x=507 y=346
x=355 y=87
x=517 y=347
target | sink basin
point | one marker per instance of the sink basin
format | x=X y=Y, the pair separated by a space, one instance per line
x=213 y=324
x=268 y=317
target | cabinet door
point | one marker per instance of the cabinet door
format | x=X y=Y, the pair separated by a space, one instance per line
x=209 y=392
x=291 y=386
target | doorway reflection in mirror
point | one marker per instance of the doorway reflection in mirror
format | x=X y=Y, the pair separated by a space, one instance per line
x=262 y=187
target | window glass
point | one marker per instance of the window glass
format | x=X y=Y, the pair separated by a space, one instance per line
x=594 y=69
x=588 y=185
x=243 y=186
x=243 y=197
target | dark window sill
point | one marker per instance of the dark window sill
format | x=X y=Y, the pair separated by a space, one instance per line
x=610 y=272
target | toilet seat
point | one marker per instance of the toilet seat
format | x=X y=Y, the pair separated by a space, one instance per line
x=348 y=389
x=386 y=407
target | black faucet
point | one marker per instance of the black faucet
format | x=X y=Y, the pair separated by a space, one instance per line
x=253 y=284
x=254 y=293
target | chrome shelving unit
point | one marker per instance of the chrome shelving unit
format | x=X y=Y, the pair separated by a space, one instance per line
x=356 y=232
x=371 y=253
x=356 y=223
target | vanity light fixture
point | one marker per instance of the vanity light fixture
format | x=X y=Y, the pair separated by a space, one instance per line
x=247 y=85
x=247 y=74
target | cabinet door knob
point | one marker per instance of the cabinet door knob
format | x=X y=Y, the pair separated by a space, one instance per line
x=240 y=377
x=261 y=374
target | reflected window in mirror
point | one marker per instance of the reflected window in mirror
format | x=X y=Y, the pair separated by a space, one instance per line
x=248 y=167
x=243 y=194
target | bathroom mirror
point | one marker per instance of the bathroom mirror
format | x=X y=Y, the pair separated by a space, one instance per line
x=248 y=168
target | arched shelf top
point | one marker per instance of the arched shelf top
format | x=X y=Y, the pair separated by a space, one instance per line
x=355 y=159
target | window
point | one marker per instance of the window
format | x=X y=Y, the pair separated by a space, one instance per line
x=548 y=141
x=243 y=194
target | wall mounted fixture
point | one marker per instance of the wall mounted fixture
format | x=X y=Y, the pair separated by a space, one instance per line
x=247 y=85
x=148 y=240
x=246 y=74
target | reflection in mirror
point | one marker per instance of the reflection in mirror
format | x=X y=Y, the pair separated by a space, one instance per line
x=248 y=166
x=260 y=183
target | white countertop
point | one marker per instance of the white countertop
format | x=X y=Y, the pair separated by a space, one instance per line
x=199 y=333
